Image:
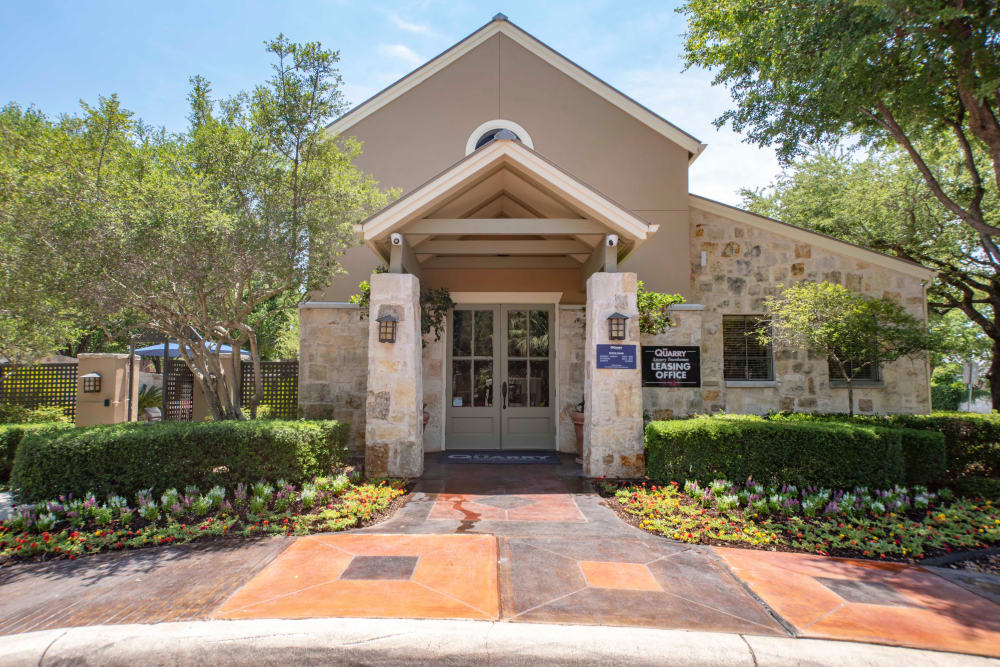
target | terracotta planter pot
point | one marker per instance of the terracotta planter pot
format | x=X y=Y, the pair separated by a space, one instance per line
x=577 y=418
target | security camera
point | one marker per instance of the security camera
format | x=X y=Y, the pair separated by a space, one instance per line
x=612 y=240
x=396 y=239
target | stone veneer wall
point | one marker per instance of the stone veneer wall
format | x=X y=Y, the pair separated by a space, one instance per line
x=571 y=333
x=333 y=367
x=667 y=402
x=434 y=388
x=745 y=264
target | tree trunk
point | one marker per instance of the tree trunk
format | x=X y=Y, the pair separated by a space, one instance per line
x=993 y=375
x=850 y=397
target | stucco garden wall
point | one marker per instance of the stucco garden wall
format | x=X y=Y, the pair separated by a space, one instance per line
x=743 y=265
x=333 y=367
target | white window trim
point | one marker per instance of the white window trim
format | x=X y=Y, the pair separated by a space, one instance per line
x=498 y=124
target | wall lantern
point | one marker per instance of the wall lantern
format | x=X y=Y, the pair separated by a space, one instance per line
x=91 y=383
x=386 y=328
x=616 y=326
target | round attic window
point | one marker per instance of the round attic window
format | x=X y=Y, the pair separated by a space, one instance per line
x=496 y=129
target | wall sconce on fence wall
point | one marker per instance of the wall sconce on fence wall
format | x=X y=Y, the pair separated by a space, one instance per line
x=616 y=326
x=386 y=328
x=91 y=383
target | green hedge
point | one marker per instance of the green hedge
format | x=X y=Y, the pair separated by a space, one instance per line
x=924 y=457
x=125 y=458
x=972 y=441
x=977 y=487
x=11 y=436
x=819 y=453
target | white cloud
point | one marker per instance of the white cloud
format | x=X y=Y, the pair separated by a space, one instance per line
x=401 y=52
x=689 y=101
x=408 y=26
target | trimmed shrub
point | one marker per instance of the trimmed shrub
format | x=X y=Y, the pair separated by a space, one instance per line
x=924 y=457
x=972 y=441
x=987 y=488
x=18 y=414
x=804 y=454
x=126 y=458
x=11 y=436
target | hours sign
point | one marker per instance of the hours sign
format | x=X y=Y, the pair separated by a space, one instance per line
x=671 y=366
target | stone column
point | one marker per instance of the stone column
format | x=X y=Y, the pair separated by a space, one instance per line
x=394 y=411
x=612 y=431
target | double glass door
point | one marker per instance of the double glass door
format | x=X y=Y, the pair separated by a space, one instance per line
x=500 y=362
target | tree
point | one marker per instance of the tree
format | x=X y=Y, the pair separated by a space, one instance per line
x=921 y=77
x=204 y=235
x=853 y=330
x=34 y=321
x=878 y=200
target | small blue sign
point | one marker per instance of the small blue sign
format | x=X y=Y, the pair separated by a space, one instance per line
x=620 y=357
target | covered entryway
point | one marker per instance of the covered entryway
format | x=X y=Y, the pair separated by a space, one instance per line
x=500 y=367
x=515 y=240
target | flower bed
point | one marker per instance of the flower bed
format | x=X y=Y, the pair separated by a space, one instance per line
x=70 y=527
x=895 y=524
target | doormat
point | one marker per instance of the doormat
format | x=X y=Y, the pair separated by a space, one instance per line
x=504 y=458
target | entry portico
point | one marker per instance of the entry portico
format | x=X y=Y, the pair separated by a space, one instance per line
x=506 y=207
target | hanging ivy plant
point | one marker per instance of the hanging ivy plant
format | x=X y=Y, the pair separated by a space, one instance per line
x=435 y=302
x=654 y=315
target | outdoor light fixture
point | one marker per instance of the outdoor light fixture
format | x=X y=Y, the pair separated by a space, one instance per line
x=386 y=328
x=91 y=383
x=616 y=326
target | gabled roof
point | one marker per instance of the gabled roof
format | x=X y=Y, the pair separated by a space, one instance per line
x=808 y=236
x=500 y=25
x=504 y=153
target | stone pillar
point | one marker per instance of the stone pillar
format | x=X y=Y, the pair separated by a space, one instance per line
x=110 y=404
x=612 y=431
x=394 y=444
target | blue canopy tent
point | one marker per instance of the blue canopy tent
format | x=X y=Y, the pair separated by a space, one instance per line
x=174 y=350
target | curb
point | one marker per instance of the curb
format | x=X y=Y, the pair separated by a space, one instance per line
x=422 y=642
x=958 y=556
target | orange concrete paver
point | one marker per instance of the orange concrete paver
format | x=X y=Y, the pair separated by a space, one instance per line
x=885 y=603
x=556 y=508
x=432 y=576
x=621 y=576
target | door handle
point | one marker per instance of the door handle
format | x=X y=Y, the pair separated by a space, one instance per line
x=503 y=392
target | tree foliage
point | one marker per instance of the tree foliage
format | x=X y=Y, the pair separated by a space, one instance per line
x=853 y=330
x=203 y=236
x=922 y=78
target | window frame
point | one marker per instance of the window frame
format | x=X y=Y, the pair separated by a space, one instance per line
x=839 y=381
x=745 y=357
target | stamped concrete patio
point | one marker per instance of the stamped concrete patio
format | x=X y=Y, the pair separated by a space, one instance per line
x=516 y=543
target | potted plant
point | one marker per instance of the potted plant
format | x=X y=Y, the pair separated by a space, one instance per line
x=577 y=417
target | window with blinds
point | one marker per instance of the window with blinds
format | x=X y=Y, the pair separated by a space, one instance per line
x=744 y=358
x=867 y=373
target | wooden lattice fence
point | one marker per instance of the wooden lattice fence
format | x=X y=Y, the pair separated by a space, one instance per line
x=39 y=385
x=281 y=387
x=178 y=391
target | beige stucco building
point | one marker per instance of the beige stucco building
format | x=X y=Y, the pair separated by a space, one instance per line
x=538 y=195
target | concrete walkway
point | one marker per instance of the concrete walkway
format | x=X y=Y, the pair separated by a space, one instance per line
x=514 y=544
x=422 y=642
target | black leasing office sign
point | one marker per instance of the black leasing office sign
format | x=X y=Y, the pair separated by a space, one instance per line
x=671 y=366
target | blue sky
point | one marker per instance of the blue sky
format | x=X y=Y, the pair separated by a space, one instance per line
x=57 y=53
